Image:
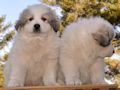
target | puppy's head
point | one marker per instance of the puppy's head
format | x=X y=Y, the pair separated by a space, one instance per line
x=37 y=19
x=103 y=35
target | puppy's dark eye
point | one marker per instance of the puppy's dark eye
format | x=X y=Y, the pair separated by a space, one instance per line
x=44 y=19
x=31 y=18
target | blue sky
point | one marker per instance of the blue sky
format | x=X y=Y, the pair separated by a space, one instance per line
x=12 y=8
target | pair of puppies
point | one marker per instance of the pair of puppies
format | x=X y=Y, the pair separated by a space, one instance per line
x=35 y=57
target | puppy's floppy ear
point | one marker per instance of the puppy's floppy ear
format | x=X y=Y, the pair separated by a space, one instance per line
x=52 y=20
x=18 y=24
x=103 y=40
x=22 y=19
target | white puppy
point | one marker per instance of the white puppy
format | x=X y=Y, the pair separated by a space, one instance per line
x=84 y=45
x=34 y=56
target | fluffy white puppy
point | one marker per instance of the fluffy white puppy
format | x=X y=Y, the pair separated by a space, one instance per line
x=84 y=45
x=34 y=56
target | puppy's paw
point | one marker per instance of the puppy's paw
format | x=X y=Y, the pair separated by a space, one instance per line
x=14 y=84
x=50 y=80
x=99 y=82
x=74 y=82
x=51 y=83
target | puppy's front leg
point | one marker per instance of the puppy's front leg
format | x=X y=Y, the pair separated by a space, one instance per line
x=97 y=72
x=50 y=71
x=17 y=76
x=70 y=71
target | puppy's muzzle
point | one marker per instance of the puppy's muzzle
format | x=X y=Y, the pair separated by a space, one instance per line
x=37 y=28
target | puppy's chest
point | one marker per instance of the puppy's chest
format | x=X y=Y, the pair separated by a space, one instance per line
x=40 y=49
x=37 y=56
x=38 y=46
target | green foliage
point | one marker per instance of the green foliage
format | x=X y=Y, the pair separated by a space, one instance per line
x=52 y=2
x=3 y=28
x=1 y=75
x=6 y=38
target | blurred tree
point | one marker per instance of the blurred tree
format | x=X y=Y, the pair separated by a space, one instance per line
x=72 y=9
x=5 y=36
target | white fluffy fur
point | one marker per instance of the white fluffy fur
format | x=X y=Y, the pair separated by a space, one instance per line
x=81 y=57
x=34 y=56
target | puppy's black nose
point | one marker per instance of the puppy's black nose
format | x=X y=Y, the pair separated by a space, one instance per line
x=37 y=27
